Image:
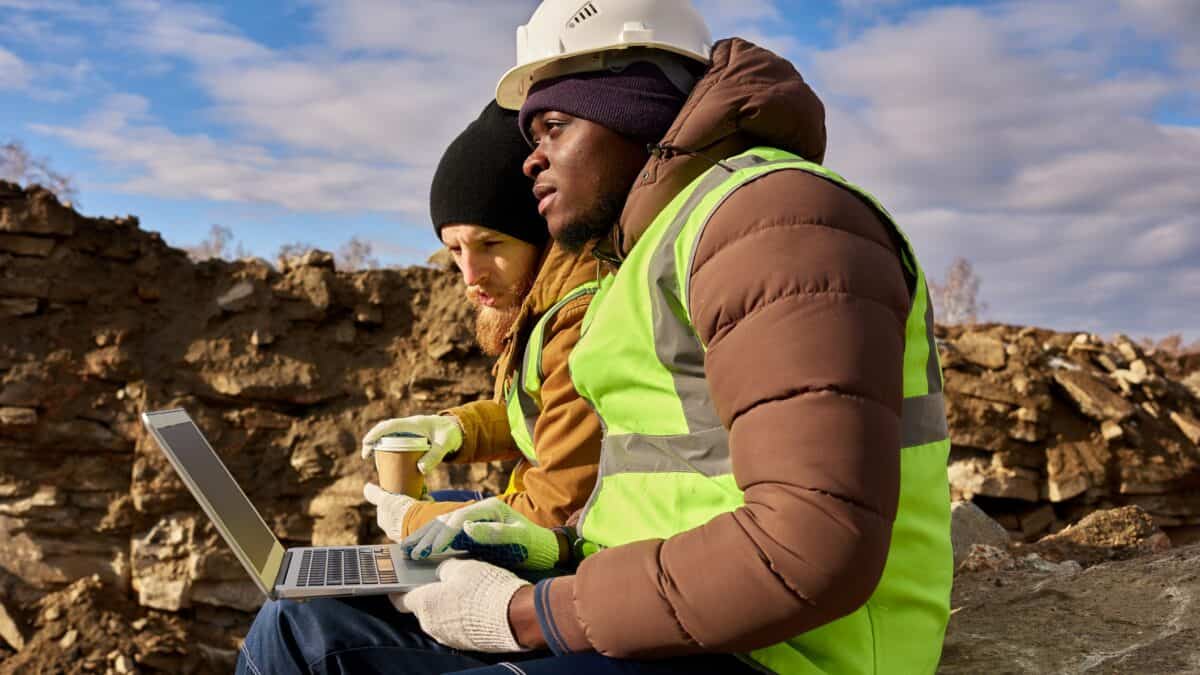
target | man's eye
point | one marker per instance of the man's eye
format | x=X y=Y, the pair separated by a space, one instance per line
x=454 y=250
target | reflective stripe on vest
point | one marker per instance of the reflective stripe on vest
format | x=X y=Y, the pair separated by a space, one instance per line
x=524 y=391
x=665 y=464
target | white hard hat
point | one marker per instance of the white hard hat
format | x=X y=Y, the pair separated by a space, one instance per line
x=573 y=36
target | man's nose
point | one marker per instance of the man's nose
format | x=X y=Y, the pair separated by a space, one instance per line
x=473 y=267
x=535 y=163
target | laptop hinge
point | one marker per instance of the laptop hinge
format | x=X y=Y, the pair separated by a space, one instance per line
x=284 y=566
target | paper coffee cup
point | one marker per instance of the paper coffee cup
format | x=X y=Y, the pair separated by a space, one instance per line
x=396 y=458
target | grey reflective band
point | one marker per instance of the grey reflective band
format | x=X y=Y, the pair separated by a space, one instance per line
x=529 y=407
x=530 y=410
x=933 y=371
x=737 y=163
x=704 y=452
x=923 y=420
x=675 y=343
x=589 y=288
x=531 y=365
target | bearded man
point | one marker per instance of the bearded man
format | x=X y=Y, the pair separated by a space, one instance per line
x=530 y=298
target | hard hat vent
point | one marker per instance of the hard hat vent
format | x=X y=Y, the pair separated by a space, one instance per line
x=582 y=14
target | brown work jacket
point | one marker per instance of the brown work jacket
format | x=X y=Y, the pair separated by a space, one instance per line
x=566 y=437
x=799 y=294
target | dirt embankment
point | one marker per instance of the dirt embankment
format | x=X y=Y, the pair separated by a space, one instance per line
x=283 y=369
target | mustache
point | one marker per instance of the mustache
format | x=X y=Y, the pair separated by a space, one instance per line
x=516 y=290
x=476 y=290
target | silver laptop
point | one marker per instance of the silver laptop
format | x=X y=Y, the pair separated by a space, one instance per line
x=304 y=572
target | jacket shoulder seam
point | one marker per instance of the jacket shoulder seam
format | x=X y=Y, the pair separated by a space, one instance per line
x=767 y=224
x=814 y=391
x=726 y=326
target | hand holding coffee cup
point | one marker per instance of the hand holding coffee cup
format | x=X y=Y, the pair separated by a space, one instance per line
x=443 y=432
x=396 y=458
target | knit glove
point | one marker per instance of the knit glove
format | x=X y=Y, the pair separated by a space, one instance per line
x=468 y=608
x=443 y=431
x=490 y=530
x=390 y=508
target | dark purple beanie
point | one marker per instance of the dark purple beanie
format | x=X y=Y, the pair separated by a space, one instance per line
x=638 y=101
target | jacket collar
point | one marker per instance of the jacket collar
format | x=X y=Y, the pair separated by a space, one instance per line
x=749 y=96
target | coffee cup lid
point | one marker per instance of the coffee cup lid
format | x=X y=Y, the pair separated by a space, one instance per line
x=403 y=441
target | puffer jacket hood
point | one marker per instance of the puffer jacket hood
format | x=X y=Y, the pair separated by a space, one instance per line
x=749 y=96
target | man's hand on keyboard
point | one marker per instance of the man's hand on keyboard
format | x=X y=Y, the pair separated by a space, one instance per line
x=490 y=530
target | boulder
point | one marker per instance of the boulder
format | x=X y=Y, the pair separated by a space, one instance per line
x=1113 y=534
x=971 y=476
x=969 y=525
x=983 y=350
x=1093 y=398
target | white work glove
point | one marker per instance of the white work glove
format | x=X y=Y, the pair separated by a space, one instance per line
x=468 y=608
x=490 y=530
x=443 y=431
x=390 y=508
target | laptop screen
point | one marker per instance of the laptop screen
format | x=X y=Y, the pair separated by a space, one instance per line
x=232 y=506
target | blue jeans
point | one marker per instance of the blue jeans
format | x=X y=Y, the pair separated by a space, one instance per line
x=457 y=495
x=367 y=635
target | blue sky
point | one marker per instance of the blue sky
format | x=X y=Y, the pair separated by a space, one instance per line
x=1054 y=143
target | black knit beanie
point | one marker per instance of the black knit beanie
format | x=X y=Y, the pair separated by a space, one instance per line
x=479 y=180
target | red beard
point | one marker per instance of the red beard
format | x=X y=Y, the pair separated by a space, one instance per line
x=492 y=324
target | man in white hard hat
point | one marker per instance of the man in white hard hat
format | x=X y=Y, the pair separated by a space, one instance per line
x=772 y=491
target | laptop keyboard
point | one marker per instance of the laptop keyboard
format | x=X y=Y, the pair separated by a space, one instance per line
x=346 y=567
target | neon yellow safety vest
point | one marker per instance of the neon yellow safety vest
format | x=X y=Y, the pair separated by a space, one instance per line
x=665 y=465
x=524 y=392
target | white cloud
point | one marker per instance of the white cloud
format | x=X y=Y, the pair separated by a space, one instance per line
x=758 y=21
x=374 y=103
x=376 y=109
x=867 y=6
x=188 y=32
x=1179 y=240
x=721 y=14
x=1167 y=17
x=72 y=10
x=165 y=164
x=1006 y=136
x=454 y=31
x=14 y=74
x=355 y=121
x=1009 y=133
x=1187 y=281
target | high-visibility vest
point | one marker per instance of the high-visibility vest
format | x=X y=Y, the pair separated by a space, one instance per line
x=665 y=465
x=523 y=396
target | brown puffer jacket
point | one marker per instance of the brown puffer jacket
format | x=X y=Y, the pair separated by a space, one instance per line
x=799 y=294
x=566 y=437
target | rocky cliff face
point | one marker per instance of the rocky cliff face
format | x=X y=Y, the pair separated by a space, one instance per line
x=108 y=564
x=283 y=370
